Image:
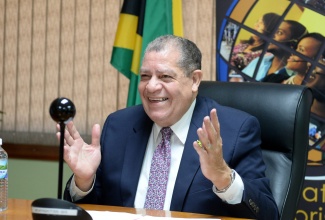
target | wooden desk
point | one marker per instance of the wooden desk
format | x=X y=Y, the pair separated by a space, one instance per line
x=20 y=209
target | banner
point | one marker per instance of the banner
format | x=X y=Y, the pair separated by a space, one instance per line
x=140 y=22
x=280 y=41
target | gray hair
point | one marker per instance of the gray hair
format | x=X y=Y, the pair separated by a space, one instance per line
x=190 y=54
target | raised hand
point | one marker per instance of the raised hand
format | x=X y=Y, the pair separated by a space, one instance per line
x=82 y=158
x=212 y=163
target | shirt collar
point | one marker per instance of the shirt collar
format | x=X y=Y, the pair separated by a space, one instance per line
x=180 y=128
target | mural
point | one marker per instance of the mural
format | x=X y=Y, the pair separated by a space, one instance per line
x=280 y=41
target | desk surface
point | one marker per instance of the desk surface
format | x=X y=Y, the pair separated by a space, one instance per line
x=19 y=209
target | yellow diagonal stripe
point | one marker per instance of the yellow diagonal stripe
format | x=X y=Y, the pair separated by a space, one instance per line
x=136 y=55
x=126 y=31
x=177 y=18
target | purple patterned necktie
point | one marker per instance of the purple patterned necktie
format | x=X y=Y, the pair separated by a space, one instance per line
x=159 y=171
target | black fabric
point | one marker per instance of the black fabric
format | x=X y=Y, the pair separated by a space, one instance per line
x=283 y=112
x=276 y=78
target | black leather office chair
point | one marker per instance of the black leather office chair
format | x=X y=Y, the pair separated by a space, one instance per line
x=283 y=112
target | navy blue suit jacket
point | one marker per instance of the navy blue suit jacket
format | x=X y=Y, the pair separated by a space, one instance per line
x=123 y=144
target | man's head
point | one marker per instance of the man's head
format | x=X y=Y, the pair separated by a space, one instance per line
x=169 y=78
x=190 y=55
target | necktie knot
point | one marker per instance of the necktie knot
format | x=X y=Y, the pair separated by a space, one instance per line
x=166 y=133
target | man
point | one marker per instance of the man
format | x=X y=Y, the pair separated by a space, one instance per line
x=223 y=174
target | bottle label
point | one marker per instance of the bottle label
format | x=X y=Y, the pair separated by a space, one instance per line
x=3 y=169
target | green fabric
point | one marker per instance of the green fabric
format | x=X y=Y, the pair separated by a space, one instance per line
x=157 y=21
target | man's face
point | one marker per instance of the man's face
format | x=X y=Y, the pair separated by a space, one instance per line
x=165 y=91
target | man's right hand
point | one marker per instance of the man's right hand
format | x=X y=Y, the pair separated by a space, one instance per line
x=83 y=159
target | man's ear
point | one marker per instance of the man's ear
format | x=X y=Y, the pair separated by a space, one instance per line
x=197 y=78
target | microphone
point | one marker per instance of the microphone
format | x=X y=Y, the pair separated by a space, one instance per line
x=62 y=110
x=298 y=61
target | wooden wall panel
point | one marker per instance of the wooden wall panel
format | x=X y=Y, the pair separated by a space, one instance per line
x=69 y=11
x=96 y=63
x=199 y=26
x=9 y=84
x=38 y=43
x=63 y=48
x=52 y=61
x=110 y=77
x=81 y=63
x=24 y=66
x=2 y=27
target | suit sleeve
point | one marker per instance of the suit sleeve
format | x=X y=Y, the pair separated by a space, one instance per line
x=248 y=162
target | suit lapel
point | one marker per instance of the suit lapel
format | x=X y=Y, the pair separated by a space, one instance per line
x=135 y=150
x=133 y=159
x=190 y=163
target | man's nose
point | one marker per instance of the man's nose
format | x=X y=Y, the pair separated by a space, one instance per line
x=153 y=84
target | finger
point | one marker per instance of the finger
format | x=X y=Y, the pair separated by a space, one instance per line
x=200 y=150
x=216 y=125
x=66 y=155
x=215 y=120
x=212 y=127
x=71 y=134
x=73 y=130
x=68 y=138
x=95 y=135
x=66 y=147
x=203 y=137
x=58 y=134
x=199 y=143
x=209 y=130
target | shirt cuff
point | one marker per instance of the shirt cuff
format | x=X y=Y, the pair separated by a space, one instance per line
x=77 y=194
x=234 y=194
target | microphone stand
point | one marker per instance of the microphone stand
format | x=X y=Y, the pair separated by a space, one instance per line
x=62 y=110
x=61 y=152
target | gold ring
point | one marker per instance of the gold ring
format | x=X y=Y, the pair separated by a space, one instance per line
x=199 y=143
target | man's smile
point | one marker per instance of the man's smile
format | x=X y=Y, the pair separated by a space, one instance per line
x=157 y=99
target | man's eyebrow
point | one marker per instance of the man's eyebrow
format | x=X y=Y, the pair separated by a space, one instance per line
x=160 y=71
x=168 y=71
x=144 y=70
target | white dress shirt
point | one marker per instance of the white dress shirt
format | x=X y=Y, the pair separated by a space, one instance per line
x=233 y=194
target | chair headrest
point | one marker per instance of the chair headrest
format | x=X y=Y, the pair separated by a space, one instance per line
x=279 y=108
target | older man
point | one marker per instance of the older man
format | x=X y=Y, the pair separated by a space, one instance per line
x=148 y=155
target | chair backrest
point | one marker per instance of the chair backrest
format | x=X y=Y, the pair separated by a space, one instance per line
x=283 y=112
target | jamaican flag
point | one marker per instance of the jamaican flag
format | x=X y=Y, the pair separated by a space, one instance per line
x=141 y=21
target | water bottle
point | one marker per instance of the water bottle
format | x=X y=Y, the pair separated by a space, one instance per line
x=3 y=178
